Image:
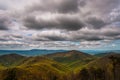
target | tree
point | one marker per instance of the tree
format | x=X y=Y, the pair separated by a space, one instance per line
x=100 y=74
x=114 y=63
x=84 y=74
x=11 y=75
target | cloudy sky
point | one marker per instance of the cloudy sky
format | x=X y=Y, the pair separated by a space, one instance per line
x=60 y=24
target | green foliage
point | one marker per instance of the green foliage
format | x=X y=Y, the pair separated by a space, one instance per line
x=73 y=59
x=10 y=60
x=72 y=65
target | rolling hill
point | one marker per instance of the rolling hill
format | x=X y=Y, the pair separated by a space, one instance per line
x=42 y=62
x=103 y=62
x=54 y=66
x=35 y=68
x=72 y=58
x=11 y=59
x=70 y=65
x=103 y=68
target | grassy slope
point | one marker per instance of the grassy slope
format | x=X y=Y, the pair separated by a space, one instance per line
x=2 y=67
x=43 y=61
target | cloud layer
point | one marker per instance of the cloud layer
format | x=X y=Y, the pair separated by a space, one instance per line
x=71 y=24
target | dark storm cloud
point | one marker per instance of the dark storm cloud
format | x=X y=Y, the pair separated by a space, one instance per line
x=5 y=21
x=62 y=6
x=3 y=24
x=71 y=23
x=68 y=6
x=60 y=22
x=89 y=37
x=56 y=38
x=59 y=7
x=2 y=39
x=96 y=23
x=112 y=32
x=65 y=7
x=51 y=38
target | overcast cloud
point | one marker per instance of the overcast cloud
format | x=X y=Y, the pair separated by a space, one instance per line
x=59 y=24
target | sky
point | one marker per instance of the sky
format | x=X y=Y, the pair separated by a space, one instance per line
x=60 y=24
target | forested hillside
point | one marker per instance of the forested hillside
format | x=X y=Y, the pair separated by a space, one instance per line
x=71 y=65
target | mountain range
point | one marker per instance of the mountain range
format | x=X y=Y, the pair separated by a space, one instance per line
x=33 y=52
x=68 y=65
x=38 y=52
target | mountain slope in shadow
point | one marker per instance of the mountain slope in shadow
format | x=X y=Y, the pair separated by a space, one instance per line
x=103 y=68
x=11 y=59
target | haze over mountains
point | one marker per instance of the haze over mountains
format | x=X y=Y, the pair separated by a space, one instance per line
x=33 y=52
x=36 y=52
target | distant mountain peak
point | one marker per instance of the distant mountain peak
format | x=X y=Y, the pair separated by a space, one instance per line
x=74 y=50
